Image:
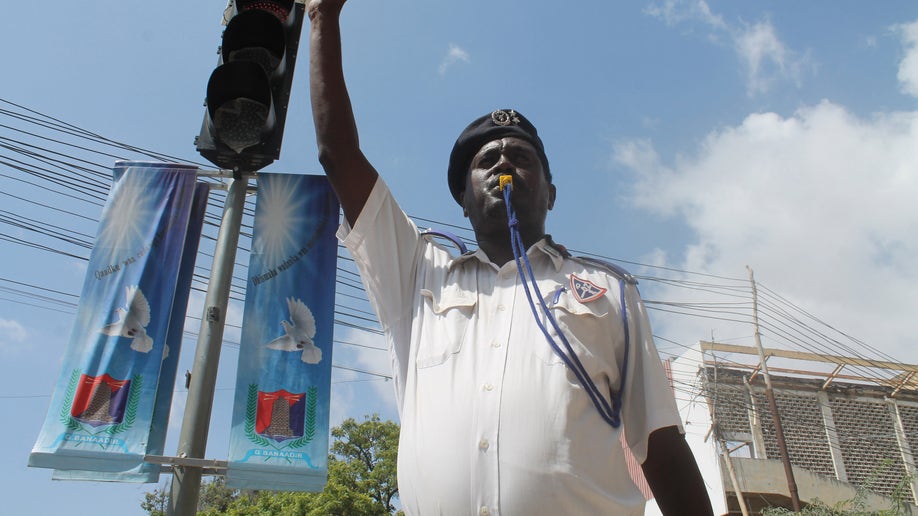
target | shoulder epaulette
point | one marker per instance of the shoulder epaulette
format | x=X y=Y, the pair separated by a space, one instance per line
x=449 y=236
x=557 y=247
x=616 y=270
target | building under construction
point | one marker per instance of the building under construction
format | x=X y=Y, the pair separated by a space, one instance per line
x=850 y=427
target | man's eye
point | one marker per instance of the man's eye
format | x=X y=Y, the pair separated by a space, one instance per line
x=522 y=158
x=486 y=162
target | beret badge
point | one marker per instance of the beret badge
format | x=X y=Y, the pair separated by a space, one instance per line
x=503 y=118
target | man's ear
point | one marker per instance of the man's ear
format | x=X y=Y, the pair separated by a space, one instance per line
x=465 y=211
x=552 y=192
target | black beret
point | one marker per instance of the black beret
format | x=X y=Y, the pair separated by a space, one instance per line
x=490 y=127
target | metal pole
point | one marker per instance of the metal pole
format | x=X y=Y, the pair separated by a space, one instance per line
x=770 y=394
x=715 y=426
x=733 y=478
x=186 y=480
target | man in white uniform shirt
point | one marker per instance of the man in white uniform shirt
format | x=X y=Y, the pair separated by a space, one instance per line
x=494 y=419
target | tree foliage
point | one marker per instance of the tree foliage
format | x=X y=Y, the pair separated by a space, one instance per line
x=155 y=503
x=361 y=481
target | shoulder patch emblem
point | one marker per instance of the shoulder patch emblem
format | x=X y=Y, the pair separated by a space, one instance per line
x=585 y=290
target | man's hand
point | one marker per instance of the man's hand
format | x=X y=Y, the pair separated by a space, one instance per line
x=673 y=475
x=315 y=7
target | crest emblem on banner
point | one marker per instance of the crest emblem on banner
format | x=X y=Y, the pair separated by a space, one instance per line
x=100 y=400
x=585 y=290
x=282 y=416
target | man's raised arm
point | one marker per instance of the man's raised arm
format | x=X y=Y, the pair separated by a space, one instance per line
x=348 y=170
x=673 y=475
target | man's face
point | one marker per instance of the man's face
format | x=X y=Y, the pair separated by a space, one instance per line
x=532 y=196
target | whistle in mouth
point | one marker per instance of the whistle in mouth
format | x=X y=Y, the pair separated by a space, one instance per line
x=506 y=180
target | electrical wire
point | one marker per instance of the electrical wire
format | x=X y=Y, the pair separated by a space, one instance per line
x=55 y=160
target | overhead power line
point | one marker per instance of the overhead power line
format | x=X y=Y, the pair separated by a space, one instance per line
x=61 y=173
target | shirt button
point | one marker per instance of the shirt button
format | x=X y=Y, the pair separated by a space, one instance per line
x=484 y=511
x=501 y=308
x=483 y=446
x=488 y=387
x=495 y=344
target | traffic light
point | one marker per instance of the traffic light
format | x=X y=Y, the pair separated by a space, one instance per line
x=249 y=91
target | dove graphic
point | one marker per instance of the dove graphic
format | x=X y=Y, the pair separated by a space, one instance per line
x=132 y=321
x=299 y=333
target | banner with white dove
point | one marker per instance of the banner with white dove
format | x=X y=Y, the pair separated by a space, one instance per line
x=101 y=411
x=147 y=472
x=279 y=435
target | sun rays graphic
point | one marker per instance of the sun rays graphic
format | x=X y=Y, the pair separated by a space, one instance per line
x=280 y=218
x=122 y=225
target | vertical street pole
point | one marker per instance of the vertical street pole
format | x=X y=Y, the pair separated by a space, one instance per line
x=186 y=480
x=724 y=451
x=740 y=498
x=770 y=394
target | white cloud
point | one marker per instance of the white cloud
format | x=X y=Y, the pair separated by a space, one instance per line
x=455 y=54
x=765 y=58
x=820 y=204
x=11 y=333
x=908 y=68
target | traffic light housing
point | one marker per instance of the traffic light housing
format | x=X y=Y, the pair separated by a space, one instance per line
x=249 y=91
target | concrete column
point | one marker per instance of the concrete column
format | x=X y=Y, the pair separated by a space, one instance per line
x=828 y=420
x=758 y=439
x=904 y=447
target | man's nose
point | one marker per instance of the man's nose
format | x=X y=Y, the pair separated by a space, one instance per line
x=504 y=164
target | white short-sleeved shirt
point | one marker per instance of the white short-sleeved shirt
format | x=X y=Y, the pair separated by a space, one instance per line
x=492 y=421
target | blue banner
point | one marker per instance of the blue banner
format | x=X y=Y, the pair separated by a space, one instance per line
x=279 y=436
x=149 y=472
x=102 y=408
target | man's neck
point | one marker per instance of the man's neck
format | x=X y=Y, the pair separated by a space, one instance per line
x=498 y=248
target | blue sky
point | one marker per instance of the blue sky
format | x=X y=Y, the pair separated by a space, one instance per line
x=700 y=136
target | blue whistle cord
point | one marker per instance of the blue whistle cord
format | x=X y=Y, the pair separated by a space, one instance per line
x=611 y=414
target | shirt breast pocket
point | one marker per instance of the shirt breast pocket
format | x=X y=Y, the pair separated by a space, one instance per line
x=584 y=325
x=444 y=324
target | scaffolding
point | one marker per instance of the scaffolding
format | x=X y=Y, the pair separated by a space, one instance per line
x=848 y=419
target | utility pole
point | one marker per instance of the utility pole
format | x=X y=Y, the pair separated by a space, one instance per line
x=186 y=479
x=770 y=394
x=247 y=98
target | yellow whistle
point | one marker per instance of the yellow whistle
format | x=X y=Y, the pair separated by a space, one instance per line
x=506 y=180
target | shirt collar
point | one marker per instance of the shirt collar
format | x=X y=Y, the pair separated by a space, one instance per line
x=555 y=252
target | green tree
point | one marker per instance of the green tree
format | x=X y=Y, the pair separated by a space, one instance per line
x=365 y=455
x=361 y=480
x=215 y=496
x=155 y=503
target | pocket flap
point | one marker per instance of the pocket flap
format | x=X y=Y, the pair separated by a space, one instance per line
x=567 y=303
x=449 y=298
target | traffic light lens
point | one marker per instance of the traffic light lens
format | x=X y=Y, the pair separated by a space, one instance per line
x=279 y=8
x=255 y=36
x=240 y=104
x=241 y=123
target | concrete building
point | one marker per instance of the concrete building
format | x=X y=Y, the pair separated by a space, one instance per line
x=850 y=426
